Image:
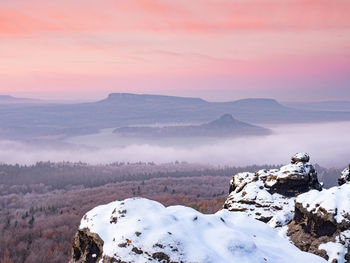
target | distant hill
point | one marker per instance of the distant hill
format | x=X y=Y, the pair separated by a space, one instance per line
x=6 y=99
x=123 y=109
x=321 y=106
x=147 y=98
x=225 y=126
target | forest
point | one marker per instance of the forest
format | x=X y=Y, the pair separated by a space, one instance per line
x=41 y=205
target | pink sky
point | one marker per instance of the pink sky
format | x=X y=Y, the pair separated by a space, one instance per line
x=222 y=49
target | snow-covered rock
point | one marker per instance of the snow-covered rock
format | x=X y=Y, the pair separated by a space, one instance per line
x=321 y=223
x=300 y=157
x=140 y=230
x=268 y=195
x=344 y=176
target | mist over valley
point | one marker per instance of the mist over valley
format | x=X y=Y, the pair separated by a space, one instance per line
x=162 y=129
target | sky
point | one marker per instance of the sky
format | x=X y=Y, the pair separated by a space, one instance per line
x=218 y=50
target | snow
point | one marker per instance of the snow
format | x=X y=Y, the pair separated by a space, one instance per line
x=345 y=172
x=345 y=175
x=186 y=235
x=336 y=250
x=301 y=157
x=333 y=251
x=334 y=200
x=252 y=197
x=254 y=193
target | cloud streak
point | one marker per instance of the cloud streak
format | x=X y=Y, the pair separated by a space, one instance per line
x=202 y=16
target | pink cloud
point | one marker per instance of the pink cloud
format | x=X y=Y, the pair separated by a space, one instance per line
x=153 y=39
x=204 y=16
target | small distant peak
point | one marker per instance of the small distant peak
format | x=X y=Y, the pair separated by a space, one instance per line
x=226 y=118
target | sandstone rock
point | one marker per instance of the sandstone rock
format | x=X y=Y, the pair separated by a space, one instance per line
x=321 y=223
x=300 y=157
x=344 y=176
x=268 y=195
x=87 y=247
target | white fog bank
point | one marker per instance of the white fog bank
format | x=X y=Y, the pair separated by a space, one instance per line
x=327 y=143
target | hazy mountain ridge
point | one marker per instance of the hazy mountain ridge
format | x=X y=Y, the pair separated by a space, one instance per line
x=321 y=106
x=120 y=110
x=148 y=98
x=7 y=99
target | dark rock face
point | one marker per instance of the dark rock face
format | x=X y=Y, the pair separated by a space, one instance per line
x=87 y=247
x=322 y=224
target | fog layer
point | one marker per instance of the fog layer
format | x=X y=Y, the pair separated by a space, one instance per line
x=327 y=143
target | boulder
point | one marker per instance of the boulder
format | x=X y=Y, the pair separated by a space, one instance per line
x=87 y=247
x=300 y=157
x=268 y=195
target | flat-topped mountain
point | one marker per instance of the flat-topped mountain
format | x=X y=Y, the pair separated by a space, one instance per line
x=182 y=103
x=148 y=98
x=124 y=109
x=226 y=126
x=321 y=106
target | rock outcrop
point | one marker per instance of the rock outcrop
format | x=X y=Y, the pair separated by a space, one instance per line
x=87 y=247
x=268 y=195
x=321 y=223
x=315 y=220
x=344 y=176
x=140 y=230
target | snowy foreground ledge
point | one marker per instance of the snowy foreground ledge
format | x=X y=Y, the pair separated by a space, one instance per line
x=330 y=209
x=140 y=230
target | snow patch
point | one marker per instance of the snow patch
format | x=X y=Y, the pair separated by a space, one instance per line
x=140 y=230
x=334 y=200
